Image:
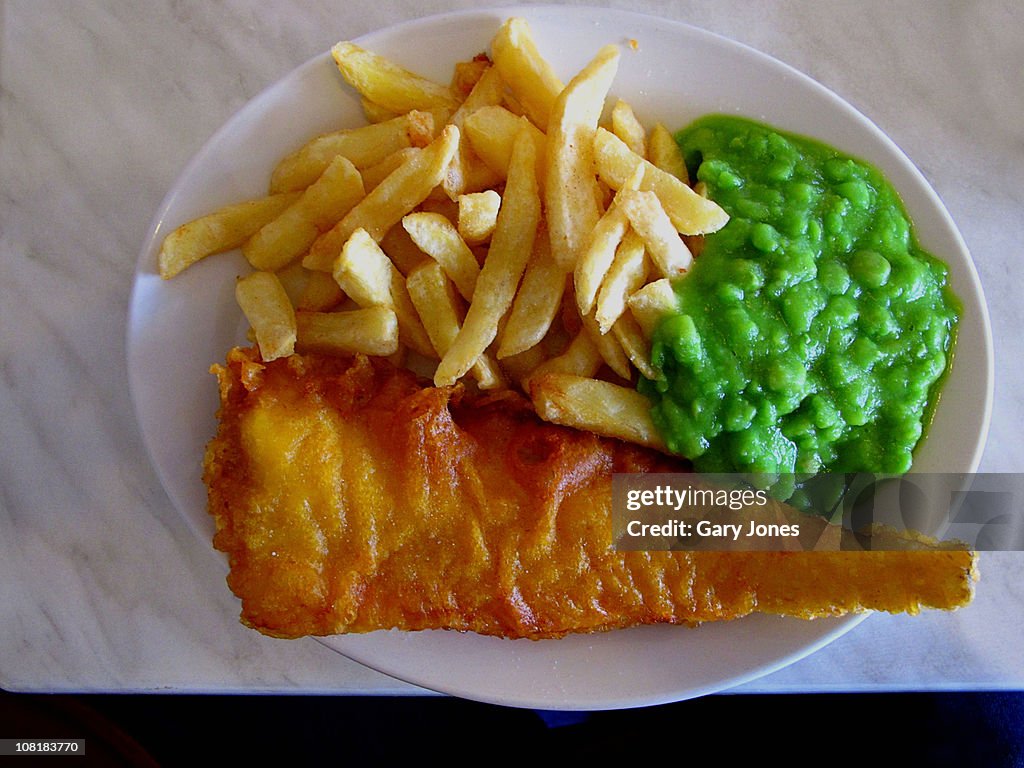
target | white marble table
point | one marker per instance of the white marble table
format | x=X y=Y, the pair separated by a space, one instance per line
x=103 y=587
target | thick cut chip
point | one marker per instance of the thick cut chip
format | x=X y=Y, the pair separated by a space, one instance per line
x=631 y=338
x=364 y=147
x=294 y=278
x=580 y=358
x=609 y=348
x=599 y=255
x=664 y=153
x=269 y=311
x=467 y=172
x=432 y=294
x=402 y=251
x=478 y=214
x=519 y=367
x=651 y=303
x=467 y=74
x=223 y=230
x=370 y=279
x=370 y=331
x=375 y=113
x=437 y=237
x=320 y=207
x=627 y=127
x=571 y=192
x=690 y=213
x=506 y=260
x=363 y=271
x=537 y=302
x=436 y=203
x=597 y=406
x=377 y=172
x=397 y=195
x=492 y=132
x=533 y=82
x=320 y=293
x=627 y=275
x=649 y=220
x=389 y=85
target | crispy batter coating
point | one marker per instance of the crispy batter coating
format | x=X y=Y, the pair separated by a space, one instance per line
x=350 y=497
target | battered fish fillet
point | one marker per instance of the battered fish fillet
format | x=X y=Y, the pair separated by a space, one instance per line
x=349 y=497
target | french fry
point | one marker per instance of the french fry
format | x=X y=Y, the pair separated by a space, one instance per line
x=363 y=271
x=651 y=303
x=664 y=245
x=320 y=207
x=597 y=406
x=475 y=176
x=223 y=230
x=442 y=205
x=466 y=74
x=507 y=256
x=580 y=358
x=609 y=348
x=571 y=192
x=389 y=201
x=502 y=205
x=626 y=126
x=513 y=106
x=437 y=237
x=696 y=242
x=519 y=367
x=570 y=314
x=369 y=278
x=410 y=327
x=478 y=213
x=377 y=172
x=269 y=311
x=597 y=258
x=375 y=113
x=664 y=153
x=627 y=274
x=389 y=85
x=532 y=81
x=370 y=331
x=467 y=172
x=294 y=278
x=558 y=337
x=432 y=293
x=492 y=131
x=402 y=251
x=690 y=213
x=631 y=338
x=320 y=293
x=537 y=301
x=364 y=146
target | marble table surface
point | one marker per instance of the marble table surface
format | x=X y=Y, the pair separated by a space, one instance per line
x=104 y=587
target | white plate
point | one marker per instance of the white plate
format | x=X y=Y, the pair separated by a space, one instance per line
x=177 y=329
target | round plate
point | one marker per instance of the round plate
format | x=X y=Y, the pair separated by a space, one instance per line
x=178 y=328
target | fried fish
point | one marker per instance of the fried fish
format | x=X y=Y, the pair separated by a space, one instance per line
x=350 y=496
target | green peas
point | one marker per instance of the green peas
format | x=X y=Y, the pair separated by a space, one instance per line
x=815 y=332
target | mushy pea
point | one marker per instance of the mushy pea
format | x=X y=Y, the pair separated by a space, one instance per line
x=812 y=331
